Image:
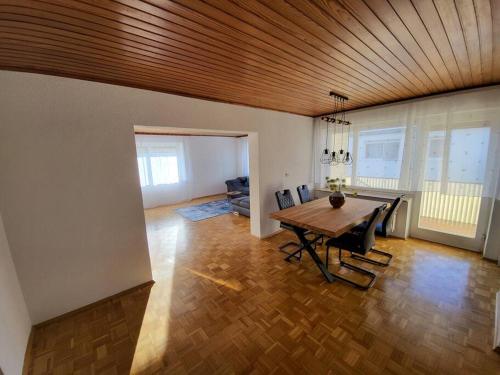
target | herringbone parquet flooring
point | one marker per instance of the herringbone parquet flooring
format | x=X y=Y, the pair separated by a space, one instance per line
x=226 y=303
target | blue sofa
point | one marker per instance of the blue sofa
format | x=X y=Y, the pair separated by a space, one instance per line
x=239 y=184
x=240 y=203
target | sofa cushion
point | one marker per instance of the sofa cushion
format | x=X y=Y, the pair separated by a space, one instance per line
x=241 y=202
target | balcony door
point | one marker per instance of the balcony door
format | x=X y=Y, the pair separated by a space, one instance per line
x=449 y=206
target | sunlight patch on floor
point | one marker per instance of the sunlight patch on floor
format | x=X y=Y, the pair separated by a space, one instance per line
x=231 y=283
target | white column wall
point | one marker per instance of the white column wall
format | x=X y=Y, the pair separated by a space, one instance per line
x=70 y=193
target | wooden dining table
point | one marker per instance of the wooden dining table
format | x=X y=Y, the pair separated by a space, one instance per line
x=319 y=217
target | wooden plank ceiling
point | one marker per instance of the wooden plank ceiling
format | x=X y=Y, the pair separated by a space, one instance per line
x=279 y=54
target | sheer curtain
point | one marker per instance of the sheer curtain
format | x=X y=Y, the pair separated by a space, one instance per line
x=164 y=169
x=425 y=145
x=243 y=166
x=444 y=149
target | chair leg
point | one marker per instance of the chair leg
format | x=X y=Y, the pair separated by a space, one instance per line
x=297 y=254
x=372 y=261
x=289 y=243
x=327 y=254
x=362 y=271
x=317 y=241
x=293 y=254
x=302 y=247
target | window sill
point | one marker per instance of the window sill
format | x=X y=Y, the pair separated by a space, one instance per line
x=374 y=192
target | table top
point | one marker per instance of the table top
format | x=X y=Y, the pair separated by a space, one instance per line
x=319 y=216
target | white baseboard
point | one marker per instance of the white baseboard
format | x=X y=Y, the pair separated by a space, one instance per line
x=272 y=234
x=496 y=337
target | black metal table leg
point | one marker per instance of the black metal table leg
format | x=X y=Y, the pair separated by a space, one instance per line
x=307 y=246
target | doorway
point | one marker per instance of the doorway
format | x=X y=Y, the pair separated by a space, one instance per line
x=178 y=165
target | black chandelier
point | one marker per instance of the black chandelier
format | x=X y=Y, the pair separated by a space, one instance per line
x=336 y=120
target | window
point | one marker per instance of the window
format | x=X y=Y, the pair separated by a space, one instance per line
x=164 y=170
x=391 y=151
x=374 y=150
x=387 y=150
x=436 y=145
x=159 y=164
x=380 y=157
x=435 y=152
x=468 y=153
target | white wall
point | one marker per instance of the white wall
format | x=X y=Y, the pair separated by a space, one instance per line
x=70 y=193
x=208 y=162
x=492 y=244
x=15 y=324
x=213 y=160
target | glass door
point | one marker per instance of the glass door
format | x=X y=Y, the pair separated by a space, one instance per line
x=450 y=205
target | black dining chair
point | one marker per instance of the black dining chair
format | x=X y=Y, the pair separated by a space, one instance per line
x=357 y=242
x=383 y=228
x=304 y=194
x=285 y=200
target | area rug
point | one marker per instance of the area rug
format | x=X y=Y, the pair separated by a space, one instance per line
x=205 y=210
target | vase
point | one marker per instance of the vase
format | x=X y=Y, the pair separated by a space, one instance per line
x=337 y=199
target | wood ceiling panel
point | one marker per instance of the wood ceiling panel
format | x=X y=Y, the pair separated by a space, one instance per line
x=281 y=54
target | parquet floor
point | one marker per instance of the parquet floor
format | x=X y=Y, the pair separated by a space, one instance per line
x=225 y=302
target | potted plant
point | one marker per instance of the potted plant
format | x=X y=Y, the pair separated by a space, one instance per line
x=337 y=198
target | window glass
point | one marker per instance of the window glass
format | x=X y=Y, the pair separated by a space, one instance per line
x=160 y=164
x=374 y=150
x=164 y=170
x=391 y=151
x=379 y=157
x=468 y=155
x=435 y=151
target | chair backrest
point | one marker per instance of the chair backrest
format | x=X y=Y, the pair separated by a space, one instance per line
x=369 y=233
x=284 y=199
x=388 y=221
x=303 y=192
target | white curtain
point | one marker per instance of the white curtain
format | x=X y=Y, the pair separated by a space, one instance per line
x=243 y=166
x=437 y=144
x=444 y=149
x=164 y=169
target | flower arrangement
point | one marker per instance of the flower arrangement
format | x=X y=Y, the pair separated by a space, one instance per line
x=336 y=198
x=336 y=184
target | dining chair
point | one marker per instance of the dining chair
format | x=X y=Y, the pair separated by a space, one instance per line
x=285 y=200
x=304 y=194
x=383 y=229
x=359 y=242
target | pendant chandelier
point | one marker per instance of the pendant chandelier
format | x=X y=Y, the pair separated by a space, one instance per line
x=337 y=123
